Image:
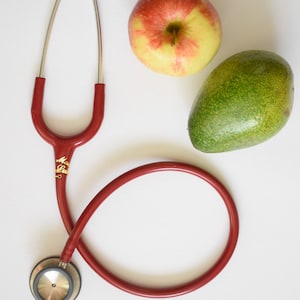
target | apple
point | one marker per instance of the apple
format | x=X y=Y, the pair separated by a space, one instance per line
x=175 y=37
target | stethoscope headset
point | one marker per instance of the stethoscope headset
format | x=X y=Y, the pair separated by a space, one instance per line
x=57 y=277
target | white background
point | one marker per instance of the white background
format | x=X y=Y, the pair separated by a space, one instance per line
x=161 y=229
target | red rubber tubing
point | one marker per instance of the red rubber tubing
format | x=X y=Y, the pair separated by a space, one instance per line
x=75 y=231
x=65 y=146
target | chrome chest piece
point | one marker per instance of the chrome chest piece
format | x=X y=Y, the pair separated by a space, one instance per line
x=52 y=280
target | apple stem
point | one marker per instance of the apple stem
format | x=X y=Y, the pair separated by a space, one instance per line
x=173 y=38
x=173 y=31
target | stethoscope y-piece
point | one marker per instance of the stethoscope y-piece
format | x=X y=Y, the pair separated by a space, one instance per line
x=56 y=277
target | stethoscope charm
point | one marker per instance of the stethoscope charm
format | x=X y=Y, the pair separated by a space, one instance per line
x=53 y=280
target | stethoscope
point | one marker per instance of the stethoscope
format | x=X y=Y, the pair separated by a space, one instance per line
x=57 y=277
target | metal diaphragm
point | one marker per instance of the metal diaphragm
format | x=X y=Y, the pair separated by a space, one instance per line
x=50 y=281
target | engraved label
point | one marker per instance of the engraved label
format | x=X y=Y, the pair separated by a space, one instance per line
x=62 y=167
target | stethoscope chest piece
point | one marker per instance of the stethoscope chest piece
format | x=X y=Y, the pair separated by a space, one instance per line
x=50 y=280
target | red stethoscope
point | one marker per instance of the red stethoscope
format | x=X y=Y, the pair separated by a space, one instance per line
x=58 y=278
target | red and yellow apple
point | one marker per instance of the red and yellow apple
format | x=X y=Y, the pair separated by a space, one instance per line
x=175 y=37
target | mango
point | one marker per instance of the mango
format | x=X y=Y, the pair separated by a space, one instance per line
x=244 y=101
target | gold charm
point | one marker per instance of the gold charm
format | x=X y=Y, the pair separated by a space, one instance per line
x=62 y=167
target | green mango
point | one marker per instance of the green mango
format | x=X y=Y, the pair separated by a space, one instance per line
x=246 y=100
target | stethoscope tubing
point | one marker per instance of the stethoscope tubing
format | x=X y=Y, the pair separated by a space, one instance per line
x=66 y=145
x=76 y=230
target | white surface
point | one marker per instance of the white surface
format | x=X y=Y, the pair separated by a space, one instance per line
x=145 y=120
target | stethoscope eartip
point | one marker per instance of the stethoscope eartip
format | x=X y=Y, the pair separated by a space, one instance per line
x=50 y=279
